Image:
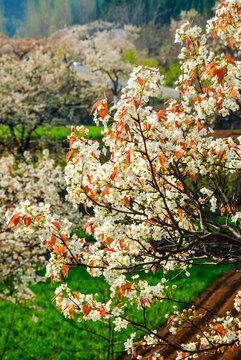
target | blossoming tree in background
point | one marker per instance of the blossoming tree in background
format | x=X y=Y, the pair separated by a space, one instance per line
x=105 y=55
x=37 y=89
x=160 y=200
x=100 y=49
x=22 y=257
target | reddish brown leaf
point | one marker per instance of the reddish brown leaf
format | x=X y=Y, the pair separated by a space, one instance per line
x=65 y=270
x=64 y=238
x=93 y=154
x=56 y=225
x=76 y=294
x=178 y=155
x=102 y=112
x=180 y=211
x=113 y=175
x=137 y=104
x=230 y=60
x=69 y=153
x=86 y=309
x=128 y=157
x=121 y=242
x=154 y=169
x=111 y=250
x=27 y=221
x=123 y=114
x=98 y=103
x=162 y=160
x=193 y=176
x=140 y=81
x=188 y=40
x=59 y=249
x=14 y=219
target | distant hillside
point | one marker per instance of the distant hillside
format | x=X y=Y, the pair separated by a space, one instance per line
x=136 y=12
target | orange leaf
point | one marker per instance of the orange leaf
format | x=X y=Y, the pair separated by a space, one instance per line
x=162 y=160
x=71 y=313
x=220 y=74
x=185 y=171
x=188 y=121
x=52 y=242
x=222 y=155
x=126 y=201
x=86 y=309
x=59 y=249
x=102 y=112
x=193 y=176
x=65 y=270
x=14 y=219
x=111 y=250
x=140 y=81
x=180 y=186
x=69 y=153
x=113 y=175
x=27 y=221
x=85 y=207
x=52 y=279
x=178 y=155
x=128 y=157
x=56 y=225
x=123 y=114
x=64 y=237
x=180 y=211
x=230 y=60
x=199 y=126
x=108 y=241
x=98 y=103
x=170 y=320
x=119 y=295
x=231 y=42
x=121 y=242
x=102 y=312
x=76 y=294
x=161 y=114
x=137 y=104
x=188 y=40
x=93 y=154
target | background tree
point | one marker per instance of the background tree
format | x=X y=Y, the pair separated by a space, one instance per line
x=22 y=258
x=101 y=50
x=36 y=89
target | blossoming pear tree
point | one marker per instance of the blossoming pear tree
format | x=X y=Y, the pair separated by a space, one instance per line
x=21 y=257
x=37 y=89
x=105 y=55
x=160 y=199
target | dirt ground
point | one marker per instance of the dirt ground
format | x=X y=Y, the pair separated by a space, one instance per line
x=219 y=299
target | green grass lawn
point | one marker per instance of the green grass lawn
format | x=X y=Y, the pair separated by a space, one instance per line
x=53 y=132
x=53 y=337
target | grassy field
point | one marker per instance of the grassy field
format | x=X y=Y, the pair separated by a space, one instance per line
x=54 y=337
x=56 y=133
